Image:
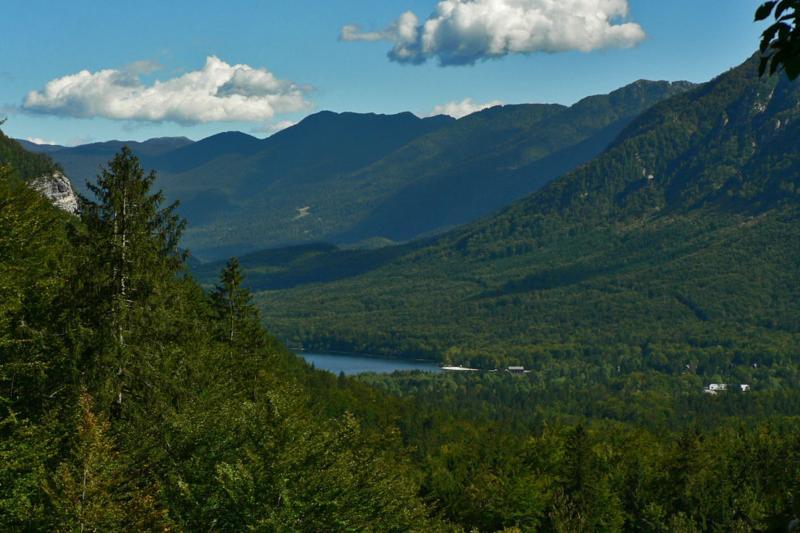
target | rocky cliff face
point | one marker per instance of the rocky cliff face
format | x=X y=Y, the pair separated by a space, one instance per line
x=57 y=187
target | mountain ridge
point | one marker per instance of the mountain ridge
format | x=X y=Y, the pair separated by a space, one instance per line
x=653 y=243
x=562 y=138
x=39 y=172
x=351 y=177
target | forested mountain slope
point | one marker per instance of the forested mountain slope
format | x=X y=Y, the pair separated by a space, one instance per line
x=294 y=188
x=39 y=172
x=488 y=159
x=26 y=165
x=348 y=177
x=39 y=148
x=83 y=162
x=127 y=402
x=282 y=268
x=131 y=400
x=679 y=245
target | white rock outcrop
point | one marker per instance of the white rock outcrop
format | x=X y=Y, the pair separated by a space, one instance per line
x=58 y=189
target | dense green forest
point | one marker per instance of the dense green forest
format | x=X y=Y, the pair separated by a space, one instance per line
x=131 y=399
x=27 y=165
x=678 y=248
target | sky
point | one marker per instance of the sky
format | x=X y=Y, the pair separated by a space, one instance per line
x=84 y=70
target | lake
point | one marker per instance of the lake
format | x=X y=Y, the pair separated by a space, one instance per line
x=359 y=364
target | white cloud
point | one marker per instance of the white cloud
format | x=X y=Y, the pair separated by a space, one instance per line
x=274 y=127
x=463 y=108
x=39 y=140
x=282 y=125
x=352 y=32
x=461 y=32
x=217 y=92
x=79 y=140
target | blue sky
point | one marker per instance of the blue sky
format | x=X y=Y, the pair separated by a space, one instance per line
x=298 y=42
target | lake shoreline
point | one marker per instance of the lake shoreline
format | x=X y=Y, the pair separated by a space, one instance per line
x=367 y=356
x=351 y=364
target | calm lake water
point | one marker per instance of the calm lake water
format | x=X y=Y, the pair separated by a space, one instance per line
x=359 y=364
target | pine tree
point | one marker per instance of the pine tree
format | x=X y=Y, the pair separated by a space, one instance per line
x=232 y=301
x=588 y=499
x=131 y=247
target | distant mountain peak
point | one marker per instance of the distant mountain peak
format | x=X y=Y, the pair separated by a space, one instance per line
x=369 y=175
x=328 y=115
x=729 y=143
x=228 y=134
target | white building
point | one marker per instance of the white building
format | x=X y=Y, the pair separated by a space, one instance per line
x=458 y=368
x=714 y=388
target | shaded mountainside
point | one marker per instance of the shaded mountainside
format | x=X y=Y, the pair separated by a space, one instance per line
x=491 y=158
x=83 y=162
x=314 y=188
x=283 y=268
x=191 y=155
x=27 y=165
x=39 y=171
x=679 y=245
x=291 y=189
x=39 y=148
x=155 y=406
x=348 y=177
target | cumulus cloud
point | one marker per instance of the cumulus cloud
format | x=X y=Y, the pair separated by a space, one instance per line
x=404 y=33
x=461 y=32
x=217 y=92
x=463 y=108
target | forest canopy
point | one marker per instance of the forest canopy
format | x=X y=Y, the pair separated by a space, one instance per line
x=131 y=399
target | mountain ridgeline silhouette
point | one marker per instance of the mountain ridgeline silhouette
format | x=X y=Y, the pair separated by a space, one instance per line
x=348 y=177
x=682 y=236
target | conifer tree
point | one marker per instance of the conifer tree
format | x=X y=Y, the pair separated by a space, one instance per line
x=32 y=258
x=35 y=377
x=588 y=496
x=232 y=301
x=131 y=247
x=92 y=490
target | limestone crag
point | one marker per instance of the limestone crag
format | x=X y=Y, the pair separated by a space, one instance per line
x=57 y=187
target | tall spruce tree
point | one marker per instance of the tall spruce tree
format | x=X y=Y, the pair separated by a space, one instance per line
x=233 y=302
x=131 y=249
